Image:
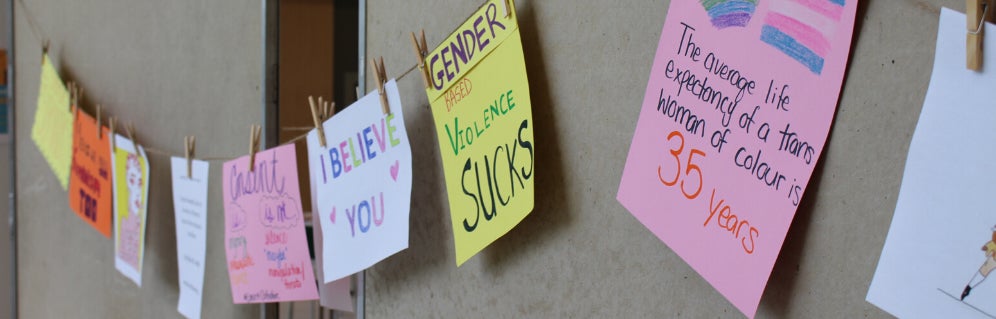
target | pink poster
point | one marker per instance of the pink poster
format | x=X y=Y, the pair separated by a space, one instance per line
x=265 y=242
x=736 y=113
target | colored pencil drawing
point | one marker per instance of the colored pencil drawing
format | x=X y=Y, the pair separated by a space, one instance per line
x=729 y=13
x=801 y=28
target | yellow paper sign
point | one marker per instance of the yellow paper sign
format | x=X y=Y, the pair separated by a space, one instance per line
x=53 y=127
x=480 y=102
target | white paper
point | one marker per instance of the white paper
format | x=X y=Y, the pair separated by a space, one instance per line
x=129 y=271
x=190 y=202
x=333 y=295
x=363 y=208
x=944 y=213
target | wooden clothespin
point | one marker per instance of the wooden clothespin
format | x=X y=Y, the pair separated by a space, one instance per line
x=254 y=134
x=329 y=111
x=318 y=121
x=507 y=9
x=114 y=140
x=380 y=75
x=188 y=146
x=977 y=13
x=421 y=50
x=100 y=133
x=72 y=96
x=130 y=130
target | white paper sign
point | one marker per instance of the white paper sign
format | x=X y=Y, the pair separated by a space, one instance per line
x=335 y=294
x=363 y=183
x=190 y=211
x=942 y=235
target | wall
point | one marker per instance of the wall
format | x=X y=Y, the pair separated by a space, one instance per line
x=580 y=253
x=173 y=68
x=192 y=67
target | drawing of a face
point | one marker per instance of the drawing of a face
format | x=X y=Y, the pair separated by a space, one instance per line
x=133 y=172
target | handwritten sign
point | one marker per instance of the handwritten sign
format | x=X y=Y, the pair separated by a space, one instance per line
x=941 y=247
x=735 y=116
x=364 y=184
x=90 y=178
x=480 y=102
x=52 y=130
x=190 y=213
x=335 y=294
x=267 y=249
x=130 y=172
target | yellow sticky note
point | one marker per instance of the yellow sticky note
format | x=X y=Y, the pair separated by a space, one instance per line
x=480 y=103
x=53 y=127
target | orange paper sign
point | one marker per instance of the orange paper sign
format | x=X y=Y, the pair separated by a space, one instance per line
x=90 y=177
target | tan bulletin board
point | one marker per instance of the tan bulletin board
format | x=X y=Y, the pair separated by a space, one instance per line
x=173 y=68
x=178 y=68
x=580 y=253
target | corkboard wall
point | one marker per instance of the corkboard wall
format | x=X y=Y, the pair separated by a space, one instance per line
x=173 y=68
x=580 y=253
x=193 y=67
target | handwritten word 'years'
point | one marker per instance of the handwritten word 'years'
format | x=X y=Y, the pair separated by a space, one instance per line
x=691 y=181
x=343 y=157
x=515 y=171
x=730 y=222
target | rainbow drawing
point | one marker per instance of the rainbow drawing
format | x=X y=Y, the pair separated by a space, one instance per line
x=729 y=13
x=801 y=29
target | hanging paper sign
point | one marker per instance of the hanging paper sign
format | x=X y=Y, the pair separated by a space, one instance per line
x=941 y=246
x=130 y=172
x=479 y=94
x=90 y=190
x=265 y=242
x=52 y=130
x=735 y=115
x=190 y=213
x=363 y=180
x=335 y=294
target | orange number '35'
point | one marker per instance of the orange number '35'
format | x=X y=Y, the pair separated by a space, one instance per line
x=689 y=167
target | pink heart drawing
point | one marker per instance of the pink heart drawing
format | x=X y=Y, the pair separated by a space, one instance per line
x=394 y=170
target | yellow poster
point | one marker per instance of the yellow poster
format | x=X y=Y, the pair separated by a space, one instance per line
x=53 y=127
x=480 y=102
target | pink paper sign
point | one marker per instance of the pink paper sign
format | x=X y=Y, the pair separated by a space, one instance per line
x=265 y=242
x=735 y=116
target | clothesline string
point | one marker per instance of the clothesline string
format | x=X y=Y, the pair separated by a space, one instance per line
x=36 y=31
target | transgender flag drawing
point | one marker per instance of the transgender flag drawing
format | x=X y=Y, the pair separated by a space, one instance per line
x=801 y=29
x=729 y=13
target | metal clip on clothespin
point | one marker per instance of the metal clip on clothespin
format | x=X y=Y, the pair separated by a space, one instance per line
x=318 y=120
x=421 y=50
x=72 y=96
x=114 y=140
x=254 y=135
x=329 y=111
x=130 y=130
x=100 y=129
x=380 y=75
x=188 y=145
x=977 y=13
